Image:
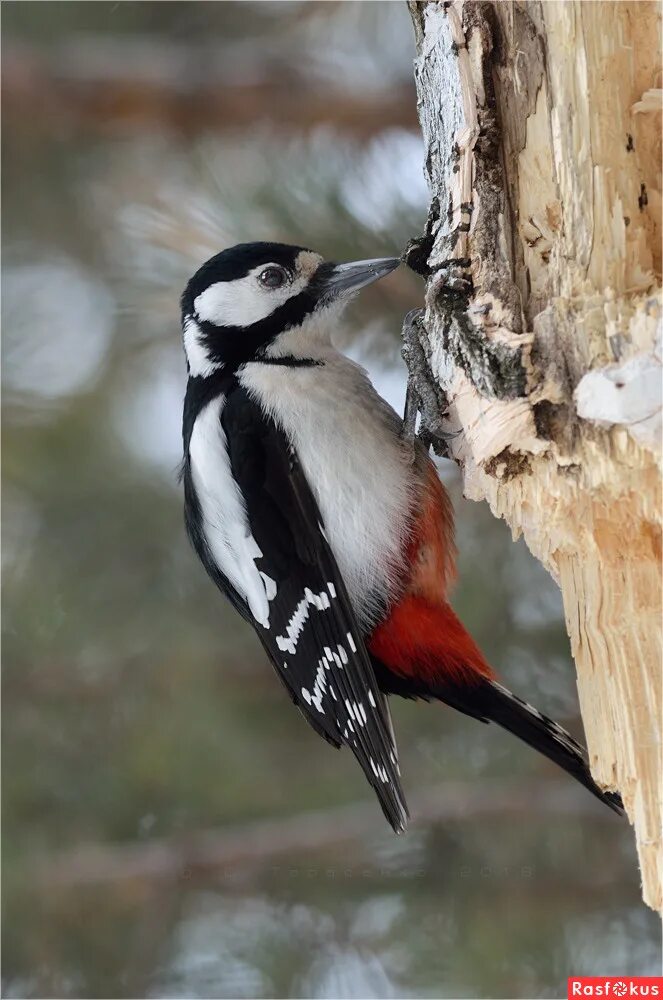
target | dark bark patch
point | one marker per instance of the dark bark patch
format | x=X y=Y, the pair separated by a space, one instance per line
x=418 y=250
x=508 y=464
x=555 y=422
x=547 y=416
x=495 y=370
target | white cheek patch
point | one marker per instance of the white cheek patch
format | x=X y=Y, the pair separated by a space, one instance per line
x=244 y=301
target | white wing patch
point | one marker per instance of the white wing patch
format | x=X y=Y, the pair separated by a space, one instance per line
x=270 y=586
x=224 y=521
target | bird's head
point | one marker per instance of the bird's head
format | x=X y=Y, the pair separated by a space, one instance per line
x=262 y=300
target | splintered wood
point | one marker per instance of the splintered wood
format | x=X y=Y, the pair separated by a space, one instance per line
x=542 y=124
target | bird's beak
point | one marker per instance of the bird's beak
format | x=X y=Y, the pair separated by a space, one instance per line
x=344 y=278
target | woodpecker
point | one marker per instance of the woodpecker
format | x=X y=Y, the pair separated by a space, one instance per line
x=310 y=511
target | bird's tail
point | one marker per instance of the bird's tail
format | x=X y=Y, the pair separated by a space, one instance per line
x=491 y=702
x=423 y=650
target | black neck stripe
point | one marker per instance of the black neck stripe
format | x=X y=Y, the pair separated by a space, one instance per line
x=290 y=361
x=234 y=345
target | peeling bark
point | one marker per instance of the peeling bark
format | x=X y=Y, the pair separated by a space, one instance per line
x=541 y=334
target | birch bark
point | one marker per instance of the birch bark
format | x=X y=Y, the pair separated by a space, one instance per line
x=542 y=329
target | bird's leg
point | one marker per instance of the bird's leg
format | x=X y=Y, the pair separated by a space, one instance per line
x=423 y=395
x=409 y=429
x=412 y=401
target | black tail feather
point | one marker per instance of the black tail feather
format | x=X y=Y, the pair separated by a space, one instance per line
x=488 y=701
x=491 y=702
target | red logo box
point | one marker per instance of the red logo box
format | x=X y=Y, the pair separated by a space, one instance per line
x=614 y=987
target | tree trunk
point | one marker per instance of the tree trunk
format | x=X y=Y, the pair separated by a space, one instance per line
x=541 y=334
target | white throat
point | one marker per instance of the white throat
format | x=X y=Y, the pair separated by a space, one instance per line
x=312 y=338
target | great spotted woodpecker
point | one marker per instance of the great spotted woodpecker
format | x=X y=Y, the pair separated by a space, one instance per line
x=311 y=513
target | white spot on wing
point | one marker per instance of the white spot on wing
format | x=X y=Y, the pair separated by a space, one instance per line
x=319 y=688
x=288 y=643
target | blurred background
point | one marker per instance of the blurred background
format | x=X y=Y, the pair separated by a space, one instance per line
x=172 y=828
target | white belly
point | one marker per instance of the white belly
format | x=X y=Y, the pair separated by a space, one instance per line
x=347 y=440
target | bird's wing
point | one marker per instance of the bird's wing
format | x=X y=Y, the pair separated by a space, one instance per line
x=310 y=632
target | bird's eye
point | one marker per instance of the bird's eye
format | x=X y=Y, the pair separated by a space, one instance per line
x=272 y=277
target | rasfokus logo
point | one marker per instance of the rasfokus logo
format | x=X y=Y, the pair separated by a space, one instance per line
x=616 y=986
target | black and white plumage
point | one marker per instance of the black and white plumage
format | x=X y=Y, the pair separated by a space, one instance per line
x=326 y=530
x=252 y=516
